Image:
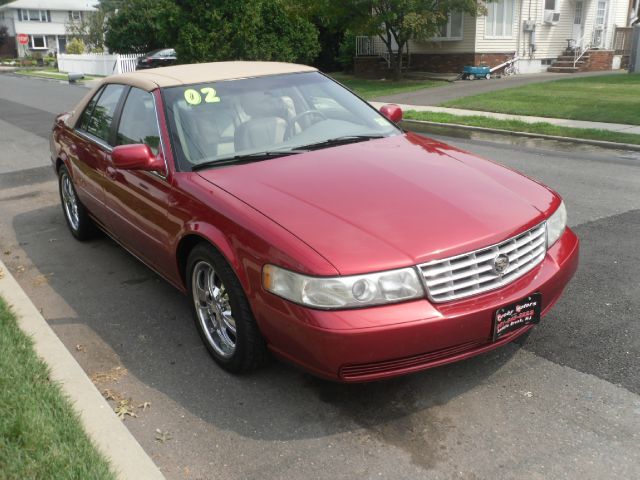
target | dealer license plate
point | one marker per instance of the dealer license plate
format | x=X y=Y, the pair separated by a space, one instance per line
x=517 y=315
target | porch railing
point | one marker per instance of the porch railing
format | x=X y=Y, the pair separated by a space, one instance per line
x=581 y=47
x=375 y=47
x=622 y=40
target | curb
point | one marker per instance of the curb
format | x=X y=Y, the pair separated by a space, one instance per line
x=106 y=430
x=598 y=143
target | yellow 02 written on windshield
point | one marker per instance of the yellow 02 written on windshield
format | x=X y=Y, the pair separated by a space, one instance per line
x=195 y=97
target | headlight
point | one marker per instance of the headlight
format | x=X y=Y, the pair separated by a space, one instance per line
x=343 y=292
x=556 y=224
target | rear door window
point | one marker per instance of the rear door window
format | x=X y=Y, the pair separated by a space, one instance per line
x=101 y=119
x=138 y=122
x=86 y=115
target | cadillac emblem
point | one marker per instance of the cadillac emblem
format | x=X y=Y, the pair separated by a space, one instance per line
x=500 y=264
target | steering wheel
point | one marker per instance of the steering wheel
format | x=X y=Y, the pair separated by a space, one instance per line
x=296 y=119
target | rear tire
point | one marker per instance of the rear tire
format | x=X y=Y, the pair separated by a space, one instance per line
x=75 y=214
x=471 y=76
x=222 y=313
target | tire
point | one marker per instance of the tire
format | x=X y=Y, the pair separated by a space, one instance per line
x=75 y=214
x=488 y=76
x=472 y=76
x=226 y=325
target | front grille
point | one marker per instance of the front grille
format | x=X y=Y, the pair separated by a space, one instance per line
x=472 y=273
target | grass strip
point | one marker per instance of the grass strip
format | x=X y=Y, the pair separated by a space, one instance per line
x=607 y=98
x=52 y=75
x=40 y=434
x=520 y=126
x=370 y=89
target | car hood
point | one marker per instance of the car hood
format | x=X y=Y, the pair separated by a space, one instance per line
x=390 y=202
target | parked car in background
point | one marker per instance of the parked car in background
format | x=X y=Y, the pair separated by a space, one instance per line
x=302 y=221
x=157 y=58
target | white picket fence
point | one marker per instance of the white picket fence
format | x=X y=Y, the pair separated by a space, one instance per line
x=97 y=63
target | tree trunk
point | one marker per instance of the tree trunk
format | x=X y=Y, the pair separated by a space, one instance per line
x=396 y=64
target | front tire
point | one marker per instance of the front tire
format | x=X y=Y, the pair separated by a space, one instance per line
x=76 y=216
x=222 y=313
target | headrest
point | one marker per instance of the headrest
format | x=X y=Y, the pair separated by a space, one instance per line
x=261 y=104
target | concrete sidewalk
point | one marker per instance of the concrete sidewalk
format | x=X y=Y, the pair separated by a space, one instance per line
x=612 y=127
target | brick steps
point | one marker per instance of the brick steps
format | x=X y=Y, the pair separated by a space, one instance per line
x=564 y=63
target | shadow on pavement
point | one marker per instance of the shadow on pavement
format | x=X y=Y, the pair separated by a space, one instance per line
x=148 y=324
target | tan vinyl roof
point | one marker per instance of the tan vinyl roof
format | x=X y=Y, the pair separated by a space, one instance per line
x=203 y=72
x=187 y=74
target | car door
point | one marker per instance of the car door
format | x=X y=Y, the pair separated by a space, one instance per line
x=89 y=149
x=138 y=199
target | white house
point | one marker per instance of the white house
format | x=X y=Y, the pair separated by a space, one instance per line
x=537 y=31
x=43 y=21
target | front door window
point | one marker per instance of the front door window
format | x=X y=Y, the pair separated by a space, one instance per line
x=599 y=27
x=578 y=31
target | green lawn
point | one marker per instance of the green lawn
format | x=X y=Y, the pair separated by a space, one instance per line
x=518 y=126
x=370 y=89
x=40 y=434
x=609 y=98
x=55 y=74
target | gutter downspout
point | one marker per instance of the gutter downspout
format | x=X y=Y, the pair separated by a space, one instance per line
x=521 y=27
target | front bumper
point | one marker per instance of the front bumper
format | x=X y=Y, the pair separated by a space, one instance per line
x=380 y=342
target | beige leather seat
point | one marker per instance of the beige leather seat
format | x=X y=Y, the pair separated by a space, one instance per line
x=266 y=126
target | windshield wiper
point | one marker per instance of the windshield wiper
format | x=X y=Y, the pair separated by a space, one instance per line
x=246 y=158
x=331 y=142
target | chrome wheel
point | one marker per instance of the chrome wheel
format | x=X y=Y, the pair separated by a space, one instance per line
x=213 y=310
x=70 y=202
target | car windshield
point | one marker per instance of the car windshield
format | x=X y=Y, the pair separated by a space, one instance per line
x=241 y=119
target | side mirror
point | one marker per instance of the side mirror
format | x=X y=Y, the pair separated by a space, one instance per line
x=392 y=112
x=136 y=157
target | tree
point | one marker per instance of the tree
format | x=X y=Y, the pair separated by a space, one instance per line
x=244 y=29
x=90 y=28
x=139 y=26
x=395 y=22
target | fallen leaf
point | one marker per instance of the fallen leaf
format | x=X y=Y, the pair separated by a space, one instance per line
x=162 y=436
x=20 y=269
x=41 y=280
x=7 y=252
x=124 y=408
x=80 y=348
x=144 y=405
x=112 y=375
x=110 y=394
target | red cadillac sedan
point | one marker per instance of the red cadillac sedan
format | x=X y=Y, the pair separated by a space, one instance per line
x=303 y=222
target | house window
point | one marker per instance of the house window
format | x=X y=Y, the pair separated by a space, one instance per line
x=34 y=15
x=75 y=16
x=550 y=5
x=600 y=13
x=499 y=19
x=38 y=42
x=452 y=30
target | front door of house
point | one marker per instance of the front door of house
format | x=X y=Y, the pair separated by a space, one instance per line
x=599 y=28
x=578 y=23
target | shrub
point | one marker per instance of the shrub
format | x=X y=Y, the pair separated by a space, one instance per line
x=75 y=47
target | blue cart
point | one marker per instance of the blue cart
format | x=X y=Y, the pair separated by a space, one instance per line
x=471 y=73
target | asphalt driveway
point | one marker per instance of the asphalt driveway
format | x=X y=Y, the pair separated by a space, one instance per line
x=565 y=404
